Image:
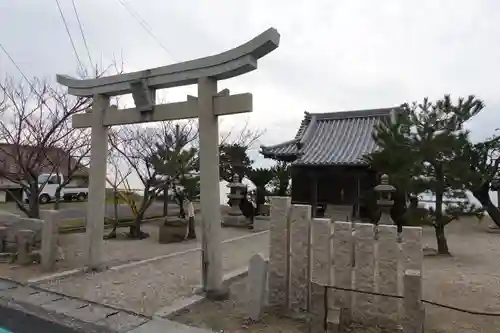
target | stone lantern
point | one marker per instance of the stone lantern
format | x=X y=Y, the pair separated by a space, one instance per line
x=235 y=217
x=385 y=201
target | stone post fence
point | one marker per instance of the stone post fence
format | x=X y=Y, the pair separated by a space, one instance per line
x=308 y=254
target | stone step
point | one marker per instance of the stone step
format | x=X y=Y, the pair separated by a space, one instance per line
x=45 y=304
x=334 y=321
x=158 y=325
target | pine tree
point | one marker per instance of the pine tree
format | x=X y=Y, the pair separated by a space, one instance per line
x=422 y=147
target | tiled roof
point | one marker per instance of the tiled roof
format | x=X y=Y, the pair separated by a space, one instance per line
x=335 y=138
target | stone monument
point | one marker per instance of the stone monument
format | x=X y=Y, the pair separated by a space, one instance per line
x=207 y=106
x=256 y=287
x=235 y=217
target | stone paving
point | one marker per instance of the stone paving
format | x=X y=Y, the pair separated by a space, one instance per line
x=149 y=287
x=76 y=314
x=81 y=313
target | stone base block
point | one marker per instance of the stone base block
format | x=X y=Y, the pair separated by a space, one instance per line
x=261 y=223
x=235 y=221
x=5 y=257
x=265 y=209
x=218 y=295
x=173 y=231
x=334 y=321
x=493 y=228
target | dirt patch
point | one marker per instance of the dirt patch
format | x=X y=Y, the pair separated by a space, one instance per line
x=229 y=316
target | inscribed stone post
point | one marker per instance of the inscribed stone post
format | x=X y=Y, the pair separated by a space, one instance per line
x=321 y=261
x=279 y=251
x=320 y=233
x=413 y=311
x=96 y=206
x=300 y=275
x=256 y=286
x=387 y=278
x=412 y=248
x=342 y=274
x=49 y=239
x=364 y=273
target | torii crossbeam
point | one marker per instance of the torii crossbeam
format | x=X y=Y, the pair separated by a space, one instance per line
x=207 y=107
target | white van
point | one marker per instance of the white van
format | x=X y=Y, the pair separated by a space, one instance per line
x=49 y=183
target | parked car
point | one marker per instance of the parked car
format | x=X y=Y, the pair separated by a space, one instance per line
x=49 y=184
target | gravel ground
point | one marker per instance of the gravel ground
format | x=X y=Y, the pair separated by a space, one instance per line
x=229 y=317
x=149 y=287
x=115 y=252
x=469 y=279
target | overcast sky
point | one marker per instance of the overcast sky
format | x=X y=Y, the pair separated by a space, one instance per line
x=334 y=55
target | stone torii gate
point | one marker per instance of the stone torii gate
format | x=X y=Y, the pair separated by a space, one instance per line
x=205 y=72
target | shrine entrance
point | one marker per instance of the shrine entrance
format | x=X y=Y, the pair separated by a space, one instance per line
x=207 y=107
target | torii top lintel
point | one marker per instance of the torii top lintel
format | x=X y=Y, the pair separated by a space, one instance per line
x=234 y=62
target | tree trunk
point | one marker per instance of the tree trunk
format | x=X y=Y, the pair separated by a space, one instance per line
x=112 y=234
x=260 y=199
x=483 y=196
x=398 y=210
x=34 y=204
x=165 y=201
x=115 y=204
x=283 y=187
x=57 y=195
x=180 y=201
x=441 y=239
x=442 y=243
x=135 y=229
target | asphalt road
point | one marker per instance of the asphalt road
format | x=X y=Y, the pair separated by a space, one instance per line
x=14 y=321
x=79 y=210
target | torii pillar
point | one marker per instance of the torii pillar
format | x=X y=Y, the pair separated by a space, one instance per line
x=205 y=72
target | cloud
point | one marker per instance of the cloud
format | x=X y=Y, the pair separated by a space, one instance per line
x=334 y=55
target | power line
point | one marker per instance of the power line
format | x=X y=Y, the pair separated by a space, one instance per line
x=24 y=76
x=17 y=66
x=69 y=35
x=81 y=31
x=145 y=25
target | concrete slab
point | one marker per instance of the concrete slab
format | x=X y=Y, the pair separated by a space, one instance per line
x=158 y=325
x=42 y=298
x=91 y=313
x=19 y=293
x=64 y=305
x=122 y=322
x=178 y=306
x=5 y=285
